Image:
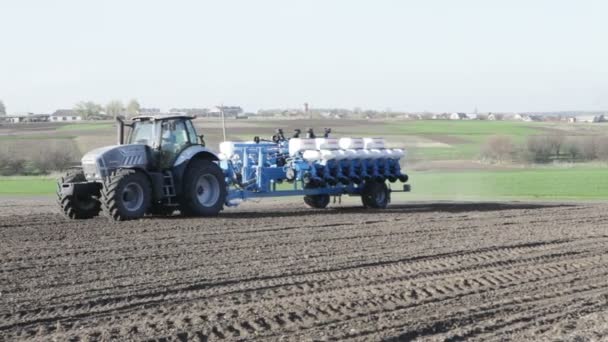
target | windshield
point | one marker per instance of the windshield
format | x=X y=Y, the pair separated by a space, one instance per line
x=142 y=133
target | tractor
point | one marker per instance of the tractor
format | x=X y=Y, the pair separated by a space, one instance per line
x=164 y=166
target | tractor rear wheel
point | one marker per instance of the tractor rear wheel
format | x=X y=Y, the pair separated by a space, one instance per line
x=125 y=195
x=77 y=206
x=375 y=195
x=316 y=201
x=204 y=189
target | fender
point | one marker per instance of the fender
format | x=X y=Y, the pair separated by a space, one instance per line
x=191 y=151
x=183 y=160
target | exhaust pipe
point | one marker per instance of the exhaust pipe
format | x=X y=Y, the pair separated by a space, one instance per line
x=121 y=130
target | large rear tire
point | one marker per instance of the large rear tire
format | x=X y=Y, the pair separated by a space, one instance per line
x=375 y=195
x=77 y=206
x=126 y=195
x=204 y=191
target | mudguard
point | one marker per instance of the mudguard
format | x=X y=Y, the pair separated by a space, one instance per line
x=182 y=161
x=192 y=151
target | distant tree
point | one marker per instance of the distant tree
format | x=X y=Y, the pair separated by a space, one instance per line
x=539 y=149
x=602 y=148
x=114 y=108
x=2 y=108
x=556 y=141
x=498 y=148
x=88 y=109
x=589 y=148
x=133 y=107
x=572 y=146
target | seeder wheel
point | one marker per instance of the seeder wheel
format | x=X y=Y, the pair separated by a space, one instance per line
x=375 y=195
x=316 y=201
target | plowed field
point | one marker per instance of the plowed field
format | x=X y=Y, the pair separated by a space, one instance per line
x=274 y=270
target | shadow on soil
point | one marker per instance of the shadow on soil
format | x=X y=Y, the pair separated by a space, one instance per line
x=392 y=209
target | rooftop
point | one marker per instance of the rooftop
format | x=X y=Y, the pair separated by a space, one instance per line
x=162 y=117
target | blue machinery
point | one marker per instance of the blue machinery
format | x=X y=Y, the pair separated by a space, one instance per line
x=307 y=166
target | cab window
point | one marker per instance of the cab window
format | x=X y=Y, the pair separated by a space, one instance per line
x=192 y=132
x=174 y=139
x=142 y=133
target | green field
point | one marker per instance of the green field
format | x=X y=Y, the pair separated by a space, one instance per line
x=429 y=140
x=464 y=138
x=26 y=185
x=542 y=183
x=85 y=126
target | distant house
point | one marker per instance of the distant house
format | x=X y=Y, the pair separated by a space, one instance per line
x=585 y=118
x=149 y=111
x=571 y=119
x=599 y=118
x=537 y=118
x=199 y=112
x=13 y=118
x=472 y=116
x=458 y=116
x=26 y=117
x=517 y=117
x=63 y=115
x=443 y=116
x=491 y=117
x=228 y=110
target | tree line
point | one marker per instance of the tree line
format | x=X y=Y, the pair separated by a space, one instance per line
x=114 y=108
x=546 y=149
x=91 y=110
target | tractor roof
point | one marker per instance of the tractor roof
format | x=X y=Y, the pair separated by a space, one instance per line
x=162 y=117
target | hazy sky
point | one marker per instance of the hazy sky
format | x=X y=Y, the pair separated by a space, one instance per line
x=447 y=55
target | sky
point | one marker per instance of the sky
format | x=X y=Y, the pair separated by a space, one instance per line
x=431 y=55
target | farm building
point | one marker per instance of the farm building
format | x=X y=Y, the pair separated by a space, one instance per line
x=149 y=111
x=599 y=118
x=26 y=117
x=61 y=115
x=228 y=110
x=458 y=116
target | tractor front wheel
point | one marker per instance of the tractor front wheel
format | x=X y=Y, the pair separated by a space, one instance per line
x=77 y=206
x=126 y=195
x=375 y=195
x=204 y=189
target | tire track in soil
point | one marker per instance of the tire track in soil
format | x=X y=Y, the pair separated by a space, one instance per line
x=403 y=273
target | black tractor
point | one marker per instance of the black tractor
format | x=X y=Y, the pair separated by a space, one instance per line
x=163 y=167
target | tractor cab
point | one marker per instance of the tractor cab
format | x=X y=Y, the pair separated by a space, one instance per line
x=165 y=135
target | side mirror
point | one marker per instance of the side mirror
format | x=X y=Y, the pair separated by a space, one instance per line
x=202 y=139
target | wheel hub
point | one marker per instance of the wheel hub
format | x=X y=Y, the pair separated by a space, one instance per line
x=207 y=190
x=133 y=196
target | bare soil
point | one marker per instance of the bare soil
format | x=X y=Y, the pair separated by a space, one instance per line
x=275 y=270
